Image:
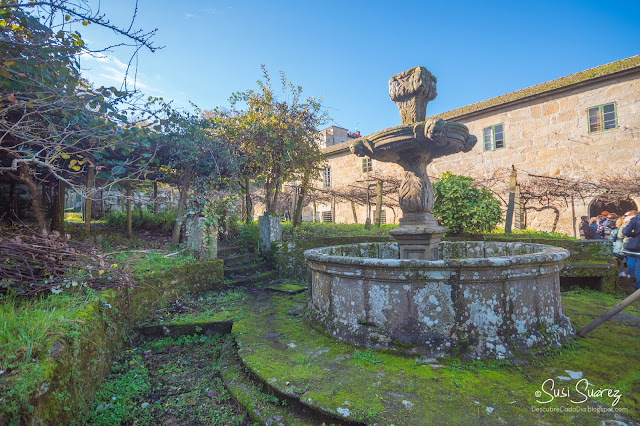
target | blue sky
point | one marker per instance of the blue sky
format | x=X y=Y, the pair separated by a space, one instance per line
x=345 y=51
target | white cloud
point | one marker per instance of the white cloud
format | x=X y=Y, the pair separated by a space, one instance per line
x=108 y=69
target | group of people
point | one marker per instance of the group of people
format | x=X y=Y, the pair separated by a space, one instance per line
x=624 y=234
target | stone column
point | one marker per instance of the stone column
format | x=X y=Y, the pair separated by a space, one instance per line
x=201 y=239
x=269 y=230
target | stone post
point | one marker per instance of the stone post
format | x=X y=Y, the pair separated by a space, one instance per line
x=269 y=230
x=201 y=239
x=512 y=200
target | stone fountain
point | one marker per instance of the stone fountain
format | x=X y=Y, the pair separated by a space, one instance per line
x=413 y=145
x=420 y=295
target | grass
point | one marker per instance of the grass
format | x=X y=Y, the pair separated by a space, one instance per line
x=189 y=308
x=28 y=328
x=247 y=234
x=139 y=254
x=73 y=217
x=153 y=260
x=306 y=231
x=381 y=381
x=520 y=233
x=169 y=380
x=599 y=302
x=144 y=221
x=107 y=239
x=366 y=356
x=240 y=233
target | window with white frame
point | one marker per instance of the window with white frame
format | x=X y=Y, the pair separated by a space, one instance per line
x=493 y=137
x=367 y=165
x=326 y=177
x=603 y=117
x=383 y=216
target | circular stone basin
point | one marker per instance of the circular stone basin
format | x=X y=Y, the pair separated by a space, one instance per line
x=482 y=299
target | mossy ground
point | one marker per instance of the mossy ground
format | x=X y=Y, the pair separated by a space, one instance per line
x=279 y=348
x=287 y=286
x=298 y=361
x=55 y=351
x=308 y=230
x=213 y=306
x=166 y=381
x=28 y=329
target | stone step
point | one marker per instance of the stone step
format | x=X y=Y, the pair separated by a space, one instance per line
x=239 y=259
x=252 y=279
x=206 y=328
x=245 y=269
x=262 y=406
x=226 y=251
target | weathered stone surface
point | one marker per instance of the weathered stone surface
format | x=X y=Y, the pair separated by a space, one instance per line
x=269 y=230
x=201 y=238
x=412 y=90
x=527 y=132
x=413 y=146
x=480 y=299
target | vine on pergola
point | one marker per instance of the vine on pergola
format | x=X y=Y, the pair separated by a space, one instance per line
x=54 y=125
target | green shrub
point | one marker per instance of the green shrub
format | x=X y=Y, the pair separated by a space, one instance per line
x=520 y=233
x=464 y=208
x=144 y=221
x=310 y=230
x=238 y=232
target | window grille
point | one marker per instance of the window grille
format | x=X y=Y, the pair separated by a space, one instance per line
x=367 y=165
x=603 y=117
x=493 y=137
x=326 y=177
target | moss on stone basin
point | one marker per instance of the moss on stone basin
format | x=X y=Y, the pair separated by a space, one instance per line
x=383 y=387
x=479 y=300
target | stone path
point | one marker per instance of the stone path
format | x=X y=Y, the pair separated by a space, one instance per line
x=343 y=384
x=283 y=371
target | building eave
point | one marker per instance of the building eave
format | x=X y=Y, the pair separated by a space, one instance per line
x=450 y=115
x=558 y=86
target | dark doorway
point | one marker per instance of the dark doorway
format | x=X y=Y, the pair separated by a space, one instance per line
x=619 y=206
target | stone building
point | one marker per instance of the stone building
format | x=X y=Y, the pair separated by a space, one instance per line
x=334 y=135
x=580 y=126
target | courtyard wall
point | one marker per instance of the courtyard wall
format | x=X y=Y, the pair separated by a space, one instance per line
x=546 y=133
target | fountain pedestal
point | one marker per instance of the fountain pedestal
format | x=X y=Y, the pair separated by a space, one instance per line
x=420 y=295
x=413 y=145
x=418 y=236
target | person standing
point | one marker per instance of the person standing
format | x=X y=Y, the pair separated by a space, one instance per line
x=632 y=248
x=593 y=224
x=608 y=225
x=586 y=233
x=616 y=246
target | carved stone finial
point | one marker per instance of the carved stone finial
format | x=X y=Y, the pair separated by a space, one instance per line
x=412 y=90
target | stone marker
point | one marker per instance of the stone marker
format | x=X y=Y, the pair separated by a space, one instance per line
x=269 y=230
x=201 y=238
